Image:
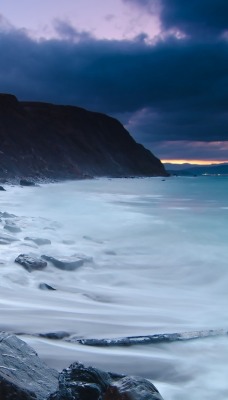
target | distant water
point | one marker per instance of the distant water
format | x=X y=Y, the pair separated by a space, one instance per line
x=160 y=265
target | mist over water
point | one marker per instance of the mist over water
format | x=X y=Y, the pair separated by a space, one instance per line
x=159 y=265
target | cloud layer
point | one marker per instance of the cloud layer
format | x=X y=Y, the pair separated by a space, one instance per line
x=171 y=90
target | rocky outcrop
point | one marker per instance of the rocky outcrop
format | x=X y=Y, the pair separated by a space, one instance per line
x=23 y=376
x=87 y=383
x=40 y=140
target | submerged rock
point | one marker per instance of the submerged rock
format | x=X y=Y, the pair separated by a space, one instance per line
x=87 y=383
x=67 y=263
x=30 y=263
x=45 y=286
x=12 y=227
x=55 y=335
x=7 y=215
x=23 y=376
x=38 y=241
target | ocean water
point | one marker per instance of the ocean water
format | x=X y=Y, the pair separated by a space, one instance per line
x=159 y=264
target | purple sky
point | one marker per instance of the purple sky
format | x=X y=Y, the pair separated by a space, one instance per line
x=160 y=66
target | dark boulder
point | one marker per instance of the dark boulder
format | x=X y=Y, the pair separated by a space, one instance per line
x=2 y=189
x=38 y=241
x=67 y=263
x=132 y=388
x=30 y=263
x=86 y=383
x=23 y=376
x=25 y=182
x=55 y=335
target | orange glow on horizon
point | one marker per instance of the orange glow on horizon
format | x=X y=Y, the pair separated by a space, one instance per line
x=199 y=162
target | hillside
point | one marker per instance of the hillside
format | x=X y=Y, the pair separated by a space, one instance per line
x=42 y=140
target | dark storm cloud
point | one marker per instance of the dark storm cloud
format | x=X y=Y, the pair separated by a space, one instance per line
x=194 y=17
x=172 y=90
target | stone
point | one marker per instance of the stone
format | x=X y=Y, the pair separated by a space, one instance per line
x=132 y=388
x=38 y=241
x=55 y=335
x=25 y=182
x=87 y=383
x=11 y=227
x=30 y=263
x=7 y=215
x=2 y=189
x=45 y=286
x=67 y=263
x=23 y=376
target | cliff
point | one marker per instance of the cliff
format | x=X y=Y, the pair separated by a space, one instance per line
x=42 y=140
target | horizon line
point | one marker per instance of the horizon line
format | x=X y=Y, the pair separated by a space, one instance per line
x=198 y=162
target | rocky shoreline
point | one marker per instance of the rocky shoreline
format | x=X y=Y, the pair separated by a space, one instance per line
x=23 y=376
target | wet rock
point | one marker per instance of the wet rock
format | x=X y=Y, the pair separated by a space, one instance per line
x=67 y=263
x=55 y=335
x=149 y=339
x=30 y=263
x=2 y=189
x=45 y=286
x=23 y=376
x=132 y=388
x=25 y=182
x=38 y=241
x=12 y=227
x=86 y=383
x=7 y=215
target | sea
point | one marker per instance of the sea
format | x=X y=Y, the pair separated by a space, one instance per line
x=157 y=263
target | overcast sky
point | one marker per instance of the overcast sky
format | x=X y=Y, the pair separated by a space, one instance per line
x=159 y=66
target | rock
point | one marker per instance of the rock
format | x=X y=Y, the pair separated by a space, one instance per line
x=132 y=388
x=55 y=335
x=30 y=263
x=23 y=376
x=2 y=189
x=149 y=339
x=12 y=227
x=38 y=241
x=86 y=383
x=45 y=286
x=25 y=182
x=66 y=263
x=7 y=215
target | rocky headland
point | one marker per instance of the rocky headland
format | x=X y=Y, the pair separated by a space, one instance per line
x=45 y=141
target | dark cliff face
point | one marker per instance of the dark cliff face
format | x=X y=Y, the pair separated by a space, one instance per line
x=52 y=141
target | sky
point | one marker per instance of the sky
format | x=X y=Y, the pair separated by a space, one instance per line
x=159 y=66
